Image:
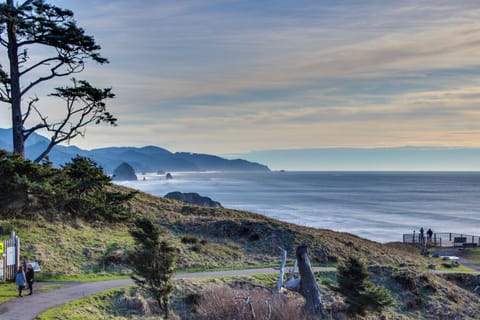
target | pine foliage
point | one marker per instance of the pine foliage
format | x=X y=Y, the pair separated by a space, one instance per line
x=360 y=293
x=78 y=190
x=153 y=261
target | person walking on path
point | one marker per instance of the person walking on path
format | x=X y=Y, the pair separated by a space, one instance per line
x=30 y=277
x=20 y=280
x=421 y=235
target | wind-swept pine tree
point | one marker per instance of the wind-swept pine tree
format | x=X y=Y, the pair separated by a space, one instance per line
x=153 y=262
x=35 y=24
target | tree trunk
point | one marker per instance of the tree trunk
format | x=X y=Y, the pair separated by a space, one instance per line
x=308 y=286
x=15 y=94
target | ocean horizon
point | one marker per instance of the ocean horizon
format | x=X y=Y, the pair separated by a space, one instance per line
x=379 y=206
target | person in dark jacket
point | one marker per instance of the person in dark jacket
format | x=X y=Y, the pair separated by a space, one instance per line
x=20 y=280
x=30 y=276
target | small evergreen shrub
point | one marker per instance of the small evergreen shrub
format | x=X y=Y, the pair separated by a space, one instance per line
x=360 y=293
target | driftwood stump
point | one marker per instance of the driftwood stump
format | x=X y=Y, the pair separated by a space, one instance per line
x=308 y=286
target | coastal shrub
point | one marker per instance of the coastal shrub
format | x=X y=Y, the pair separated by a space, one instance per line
x=360 y=293
x=23 y=183
x=88 y=199
x=78 y=190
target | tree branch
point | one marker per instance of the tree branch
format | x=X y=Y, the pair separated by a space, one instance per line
x=41 y=79
x=38 y=64
x=92 y=110
x=29 y=109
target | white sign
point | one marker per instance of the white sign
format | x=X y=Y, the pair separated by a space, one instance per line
x=36 y=266
x=1 y=267
x=10 y=256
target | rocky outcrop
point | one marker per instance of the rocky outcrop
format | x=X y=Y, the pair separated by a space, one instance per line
x=193 y=198
x=124 y=172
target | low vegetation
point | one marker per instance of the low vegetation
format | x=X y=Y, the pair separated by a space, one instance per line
x=76 y=224
x=360 y=293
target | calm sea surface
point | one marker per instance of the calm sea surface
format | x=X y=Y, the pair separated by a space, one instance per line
x=376 y=206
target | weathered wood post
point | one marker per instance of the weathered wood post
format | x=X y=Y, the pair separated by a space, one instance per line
x=308 y=286
x=16 y=241
x=282 y=270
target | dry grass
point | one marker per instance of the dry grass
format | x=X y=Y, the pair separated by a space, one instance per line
x=220 y=303
x=134 y=302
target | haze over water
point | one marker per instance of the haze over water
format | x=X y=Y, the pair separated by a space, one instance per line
x=379 y=206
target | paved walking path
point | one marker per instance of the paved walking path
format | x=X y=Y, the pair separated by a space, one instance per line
x=460 y=253
x=29 y=307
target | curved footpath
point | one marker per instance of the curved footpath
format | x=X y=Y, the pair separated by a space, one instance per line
x=29 y=307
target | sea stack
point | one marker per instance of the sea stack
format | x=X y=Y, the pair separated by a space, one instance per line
x=124 y=172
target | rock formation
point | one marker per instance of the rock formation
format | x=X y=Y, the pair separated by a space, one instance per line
x=124 y=172
x=193 y=198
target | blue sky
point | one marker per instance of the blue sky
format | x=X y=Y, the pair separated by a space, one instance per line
x=230 y=77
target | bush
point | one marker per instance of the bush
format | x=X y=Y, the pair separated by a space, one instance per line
x=359 y=292
x=78 y=190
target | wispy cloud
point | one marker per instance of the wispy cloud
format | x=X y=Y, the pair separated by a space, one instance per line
x=225 y=76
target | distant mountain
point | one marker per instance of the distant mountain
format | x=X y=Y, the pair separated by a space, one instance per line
x=145 y=159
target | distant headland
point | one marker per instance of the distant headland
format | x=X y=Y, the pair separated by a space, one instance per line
x=143 y=159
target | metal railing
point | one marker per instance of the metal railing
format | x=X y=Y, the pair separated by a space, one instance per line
x=443 y=239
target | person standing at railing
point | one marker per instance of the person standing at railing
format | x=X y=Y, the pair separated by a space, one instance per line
x=429 y=234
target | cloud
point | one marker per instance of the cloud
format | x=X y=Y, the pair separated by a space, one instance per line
x=231 y=76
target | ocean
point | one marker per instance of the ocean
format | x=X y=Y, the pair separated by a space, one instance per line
x=379 y=206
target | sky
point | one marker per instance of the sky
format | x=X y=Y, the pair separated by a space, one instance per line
x=230 y=77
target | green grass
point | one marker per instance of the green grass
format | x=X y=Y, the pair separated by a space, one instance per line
x=9 y=291
x=473 y=254
x=88 y=277
x=93 y=307
x=459 y=269
x=227 y=268
x=215 y=240
x=102 y=305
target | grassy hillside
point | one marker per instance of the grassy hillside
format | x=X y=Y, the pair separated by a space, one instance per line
x=208 y=238
x=205 y=238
